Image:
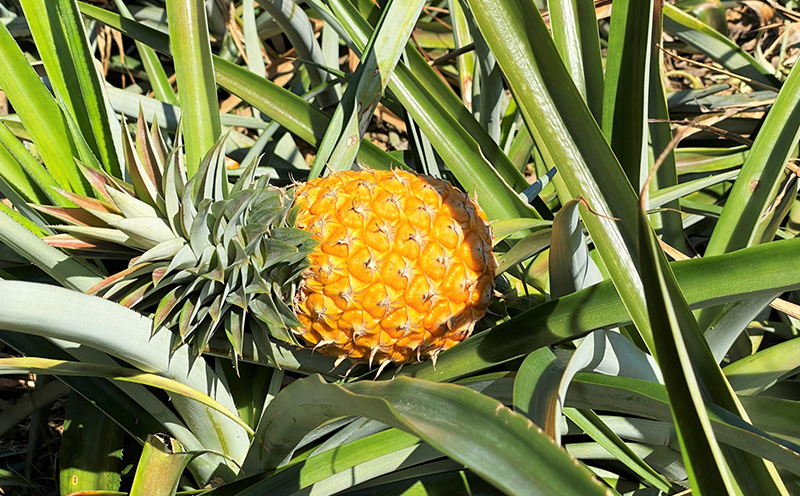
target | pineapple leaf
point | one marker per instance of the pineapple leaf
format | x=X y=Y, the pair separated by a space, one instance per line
x=213 y=181
x=133 y=296
x=200 y=234
x=171 y=190
x=290 y=235
x=106 y=234
x=165 y=306
x=234 y=329
x=133 y=271
x=90 y=204
x=166 y=250
x=247 y=177
x=152 y=161
x=152 y=229
x=143 y=178
x=524 y=249
x=275 y=252
x=74 y=216
x=130 y=206
x=187 y=312
x=184 y=259
x=100 y=181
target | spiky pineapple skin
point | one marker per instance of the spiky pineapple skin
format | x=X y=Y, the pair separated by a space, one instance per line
x=403 y=270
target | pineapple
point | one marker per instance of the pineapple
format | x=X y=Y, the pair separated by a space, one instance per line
x=403 y=269
x=371 y=266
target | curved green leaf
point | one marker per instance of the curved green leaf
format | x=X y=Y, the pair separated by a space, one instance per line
x=536 y=389
x=465 y=61
x=462 y=143
x=753 y=271
x=14 y=179
x=34 y=365
x=294 y=23
x=542 y=381
x=732 y=321
x=188 y=29
x=160 y=467
x=156 y=75
x=67 y=271
x=133 y=407
x=673 y=327
x=571 y=267
x=343 y=467
x=574 y=26
x=427 y=97
x=671 y=193
x=668 y=223
x=524 y=249
x=626 y=87
x=281 y=105
x=775 y=415
x=649 y=400
x=40 y=114
x=756 y=373
x=131 y=341
x=759 y=181
x=594 y=426
x=498 y=444
x=60 y=36
x=90 y=457
x=339 y=147
x=568 y=138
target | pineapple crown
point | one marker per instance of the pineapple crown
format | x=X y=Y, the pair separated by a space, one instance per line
x=205 y=255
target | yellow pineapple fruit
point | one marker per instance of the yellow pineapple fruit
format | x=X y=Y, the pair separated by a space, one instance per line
x=403 y=268
x=374 y=266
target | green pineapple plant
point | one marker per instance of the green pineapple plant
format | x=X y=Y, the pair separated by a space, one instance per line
x=585 y=360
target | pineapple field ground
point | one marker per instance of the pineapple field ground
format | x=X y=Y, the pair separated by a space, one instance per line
x=399 y=247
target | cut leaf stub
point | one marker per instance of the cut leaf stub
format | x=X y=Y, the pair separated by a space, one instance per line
x=372 y=265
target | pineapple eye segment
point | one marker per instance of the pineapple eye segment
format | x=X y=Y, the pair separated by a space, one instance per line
x=409 y=241
x=454 y=206
x=379 y=235
x=482 y=294
x=340 y=292
x=429 y=194
x=438 y=317
x=393 y=183
x=455 y=283
x=473 y=252
x=315 y=307
x=396 y=324
x=396 y=272
x=363 y=265
x=355 y=215
x=379 y=300
x=325 y=267
x=419 y=294
x=433 y=261
x=419 y=214
x=326 y=202
x=360 y=188
x=387 y=205
x=447 y=232
x=338 y=242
